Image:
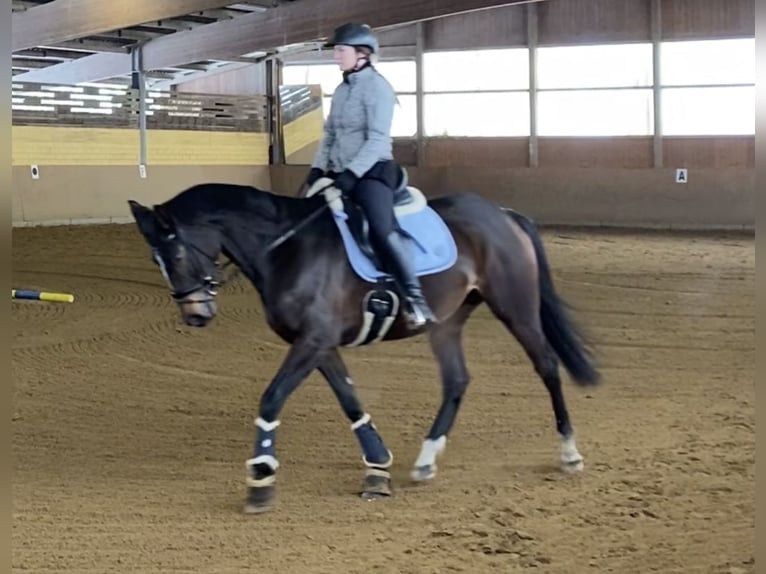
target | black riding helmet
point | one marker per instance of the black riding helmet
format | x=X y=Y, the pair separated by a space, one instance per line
x=357 y=35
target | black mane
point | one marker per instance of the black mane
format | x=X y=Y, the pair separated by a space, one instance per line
x=211 y=203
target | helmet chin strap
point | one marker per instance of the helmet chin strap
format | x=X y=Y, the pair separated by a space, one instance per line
x=361 y=63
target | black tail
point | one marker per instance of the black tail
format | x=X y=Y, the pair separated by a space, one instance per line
x=558 y=326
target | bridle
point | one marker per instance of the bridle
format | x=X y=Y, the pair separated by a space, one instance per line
x=207 y=284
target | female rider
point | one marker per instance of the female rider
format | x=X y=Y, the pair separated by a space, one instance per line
x=357 y=152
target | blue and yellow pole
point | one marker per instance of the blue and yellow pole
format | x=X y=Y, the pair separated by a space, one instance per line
x=41 y=295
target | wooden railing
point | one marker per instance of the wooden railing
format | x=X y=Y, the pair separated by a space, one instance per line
x=115 y=106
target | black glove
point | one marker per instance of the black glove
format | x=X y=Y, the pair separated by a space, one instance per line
x=314 y=176
x=346 y=181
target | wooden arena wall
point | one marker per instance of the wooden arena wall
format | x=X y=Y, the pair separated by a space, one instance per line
x=88 y=164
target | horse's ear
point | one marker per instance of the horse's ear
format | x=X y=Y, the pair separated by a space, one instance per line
x=136 y=208
x=145 y=219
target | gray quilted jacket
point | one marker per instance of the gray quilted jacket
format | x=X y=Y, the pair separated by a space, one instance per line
x=357 y=132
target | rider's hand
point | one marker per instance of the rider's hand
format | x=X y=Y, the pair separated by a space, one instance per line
x=314 y=176
x=346 y=181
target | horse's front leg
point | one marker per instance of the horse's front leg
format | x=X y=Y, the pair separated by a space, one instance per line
x=376 y=457
x=303 y=357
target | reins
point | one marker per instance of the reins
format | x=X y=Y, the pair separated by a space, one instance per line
x=301 y=224
x=271 y=246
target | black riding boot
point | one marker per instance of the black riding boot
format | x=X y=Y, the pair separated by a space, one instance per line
x=399 y=264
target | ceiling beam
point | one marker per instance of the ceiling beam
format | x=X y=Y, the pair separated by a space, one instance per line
x=296 y=22
x=62 y=20
x=88 y=69
x=288 y=23
x=165 y=84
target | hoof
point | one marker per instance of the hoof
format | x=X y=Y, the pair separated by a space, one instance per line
x=259 y=500
x=571 y=459
x=423 y=473
x=369 y=495
x=572 y=466
x=377 y=484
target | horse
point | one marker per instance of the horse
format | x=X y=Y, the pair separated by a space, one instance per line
x=322 y=289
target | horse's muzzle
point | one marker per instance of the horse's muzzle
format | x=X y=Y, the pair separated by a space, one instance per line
x=198 y=313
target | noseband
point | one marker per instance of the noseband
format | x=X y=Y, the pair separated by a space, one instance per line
x=208 y=284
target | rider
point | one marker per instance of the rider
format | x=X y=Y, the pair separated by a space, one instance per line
x=356 y=151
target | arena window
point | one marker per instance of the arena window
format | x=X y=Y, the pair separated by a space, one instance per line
x=480 y=93
x=595 y=90
x=708 y=87
x=616 y=112
x=599 y=66
x=493 y=114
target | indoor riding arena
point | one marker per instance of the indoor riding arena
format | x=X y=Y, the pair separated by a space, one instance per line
x=623 y=128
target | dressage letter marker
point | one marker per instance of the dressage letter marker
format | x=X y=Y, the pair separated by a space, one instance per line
x=681 y=175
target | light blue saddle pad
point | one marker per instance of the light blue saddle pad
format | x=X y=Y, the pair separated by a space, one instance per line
x=432 y=245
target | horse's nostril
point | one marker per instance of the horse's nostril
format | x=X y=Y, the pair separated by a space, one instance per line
x=196 y=320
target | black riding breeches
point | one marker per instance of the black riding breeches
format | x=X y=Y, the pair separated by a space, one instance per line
x=377 y=201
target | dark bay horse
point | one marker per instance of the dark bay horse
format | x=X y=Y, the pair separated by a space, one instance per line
x=291 y=251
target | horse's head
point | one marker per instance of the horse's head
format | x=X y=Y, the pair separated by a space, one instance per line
x=188 y=266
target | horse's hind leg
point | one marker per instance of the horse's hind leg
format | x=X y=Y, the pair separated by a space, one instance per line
x=376 y=457
x=519 y=312
x=446 y=344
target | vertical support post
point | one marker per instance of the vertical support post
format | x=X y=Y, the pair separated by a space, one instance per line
x=534 y=160
x=138 y=82
x=274 y=119
x=270 y=107
x=420 y=134
x=656 y=19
